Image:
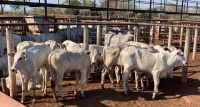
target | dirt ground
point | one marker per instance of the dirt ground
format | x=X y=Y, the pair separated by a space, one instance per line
x=172 y=93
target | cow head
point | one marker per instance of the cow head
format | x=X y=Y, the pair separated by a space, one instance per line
x=93 y=54
x=19 y=60
x=180 y=58
x=52 y=44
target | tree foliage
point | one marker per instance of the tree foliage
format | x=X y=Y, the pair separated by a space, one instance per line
x=69 y=11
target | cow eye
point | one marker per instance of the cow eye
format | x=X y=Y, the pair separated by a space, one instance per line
x=20 y=58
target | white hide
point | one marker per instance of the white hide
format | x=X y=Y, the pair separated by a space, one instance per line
x=28 y=62
x=158 y=64
x=61 y=60
x=25 y=45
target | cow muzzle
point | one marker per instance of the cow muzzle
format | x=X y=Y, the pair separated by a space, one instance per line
x=185 y=63
x=93 y=63
x=13 y=70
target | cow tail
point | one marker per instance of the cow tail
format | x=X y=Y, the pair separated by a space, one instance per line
x=52 y=71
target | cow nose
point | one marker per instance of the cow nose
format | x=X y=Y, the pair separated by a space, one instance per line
x=93 y=63
x=12 y=70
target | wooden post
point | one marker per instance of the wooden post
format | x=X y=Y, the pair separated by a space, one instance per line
x=98 y=41
x=23 y=27
x=164 y=35
x=186 y=55
x=170 y=37
x=181 y=37
x=2 y=30
x=4 y=87
x=129 y=26
x=195 y=44
x=68 y=32
x=10 y=50
x=136 y=33
x=46 y=27
x=152 y=35
x=106 y=27
x=78 y=21
x=85 y=39
x=158 y=32
x=55 y=26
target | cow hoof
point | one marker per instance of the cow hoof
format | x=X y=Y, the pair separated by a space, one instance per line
x=102 y=86
x=154 y=95
x=126 y=94
x=75 y=92
x=64 y=98
x=83 y=96
x=55 y=97
x=120 y=84
x=34 y=101
x=22 y=102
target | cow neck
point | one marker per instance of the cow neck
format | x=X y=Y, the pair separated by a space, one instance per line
x=172 y=58
x=27 y=65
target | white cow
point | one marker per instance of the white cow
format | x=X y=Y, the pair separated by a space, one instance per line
x=53 y=44
x=28 y=62
x=95 y=50
x=17 y=40
x=113 y=39
x=157 y=64
x=61 y=60
x=25 y=45
x=111 y=55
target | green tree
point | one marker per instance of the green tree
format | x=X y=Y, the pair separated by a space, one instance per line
x=38 y=11
x=2 y=7
x=17 y=7
x=118 y=4
x=74 y=3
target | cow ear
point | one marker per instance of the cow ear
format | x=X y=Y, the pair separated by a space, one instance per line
x=179 y=52
x=24 y=52
x=88 y=52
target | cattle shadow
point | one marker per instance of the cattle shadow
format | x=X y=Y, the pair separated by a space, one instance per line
x=97 y=97
x=168 y=87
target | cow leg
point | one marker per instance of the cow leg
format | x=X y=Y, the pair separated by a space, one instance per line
x=59 y=83
x=142 y=83
x=147 y=80
x=103 y=74
x=83 y=75
x=77 y=82
x=156 y=83
x=136 y=80
x=34 y=86
x=44 y=82
x=124 y=80
x=111 y=76
x=23 y=89
x=53 y=79
x=117 y=73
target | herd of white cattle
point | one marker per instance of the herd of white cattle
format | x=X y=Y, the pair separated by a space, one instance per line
x=48 y=58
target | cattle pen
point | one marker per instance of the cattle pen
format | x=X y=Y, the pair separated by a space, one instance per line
x=193 y=25
x=147 y=30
